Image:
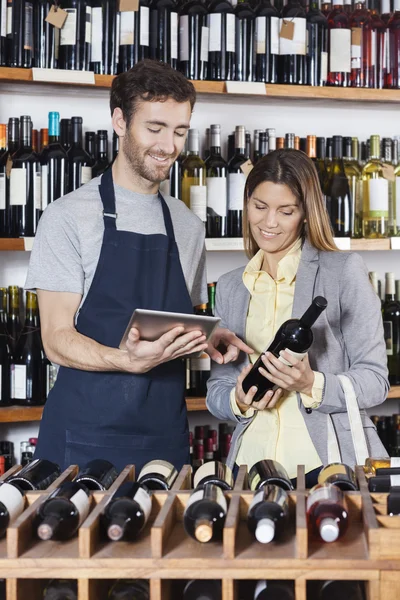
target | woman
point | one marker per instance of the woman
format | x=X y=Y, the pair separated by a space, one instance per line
x=293 y=258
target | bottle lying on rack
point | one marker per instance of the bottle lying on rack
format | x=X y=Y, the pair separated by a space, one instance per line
x=327 y=513
x=202 y=589
x=214 y=472
x=12 y=504
x=158 y=475
x=340 y=475
x=274 y=590
x=295 y=336
x=269 y=472
x=97 y=474
x=383 y=483
x=61 y=589
x=268 y=513
x=334 y=590
x=205 y=513
x=37 y=475
x=137 y=589
x=372 y=464
x=62 y=513
x=393 y=502
x=127 y=512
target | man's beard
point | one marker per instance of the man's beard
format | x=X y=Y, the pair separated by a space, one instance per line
x=136 y=160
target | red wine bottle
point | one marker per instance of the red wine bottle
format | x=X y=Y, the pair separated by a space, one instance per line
x=127 y=513
x=205 y=513
x=37 y=475
x=269 y=472
x=97 y=474
x=12 y=503
x=327 y=513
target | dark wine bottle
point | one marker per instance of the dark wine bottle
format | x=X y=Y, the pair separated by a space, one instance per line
x=12 y=504
x=21 y=48
x=327 y=514
x=193 y=40
x=361 y=46
x=236 y=183
x=336 y=590
x=267 y=42
x=340 y=475
x=292 y=45
x=54 y=164
x=90 y=145
x=127 y=512
x=164 y=31
x=76 y=36
x=317 y=46
x=268 y=513
x=37 y=475
x=137 y=589
x=158 y=475
x=339 y=203
x=202 y=589
x=244 y=42
x=5 y=352
x=27 y=377
x=205 y=513
x=383 y=483
x=214 y=472
x=79 y=162
x=62 y=513
x=46 y=37
x=216 y=182
x=115 y=147
x=4 y=209
x=295 y=336
x=221 y=55
x=104 y=51
x=65 y=133
x=61 y=589
x=25 y=185
x=391 y=326
x=274 y=590
x=102 y=160
x=4 y=40
x=97 y=474
x=269 y=472
x=13 y=317
x=142 y=31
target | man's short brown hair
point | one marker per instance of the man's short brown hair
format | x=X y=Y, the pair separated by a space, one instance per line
x=149 y=80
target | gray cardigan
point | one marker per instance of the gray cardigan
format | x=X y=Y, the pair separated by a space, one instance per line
x=348 y=339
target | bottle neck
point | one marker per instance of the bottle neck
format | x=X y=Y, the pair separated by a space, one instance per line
x=216 y=150
x=76 y=134
x=312 y=313
x=26 y=134
x=390 y=289
x=102 y=153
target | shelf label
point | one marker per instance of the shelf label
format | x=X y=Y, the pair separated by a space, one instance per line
x=28 y=243
x=246 y=87
x=343 y=243
x=63 y=76
x=226 y=244
x=395 y=243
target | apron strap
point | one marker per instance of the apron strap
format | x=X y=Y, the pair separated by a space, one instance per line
x=107 y=195
x=167 y=218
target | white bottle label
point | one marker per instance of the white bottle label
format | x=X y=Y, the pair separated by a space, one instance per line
x=37 y=190
x=144 y=500
x=215 y=32
x=236 y=183
x=144 y=26
x=198 y=201
x=51 y=376
x=195 y=497
x=3 y=18
x=388 y=335
x=9 y=20
x=355 y=53
x=395 y=461
x=174 y=35
x=394 y=480
x=18 y=382
x=88 y=28
x=2 y=191
x=324 y=66
x=298 y=44
x=373 y=47
x=378 y=197
x=204 y=44
x=230 y=32
x=258 y=497
x=386 y=51
x=159 y=466
x=217 y=195
x=398 y=202
x=45 y=183
x=184 y=37
x=86 y=174
x=203 y=363
x=261 y=28
x=82 y=503
x=275 y=35
x=340 y=51
x=12 y=499
x=127 y=28
x=97 y=34
x=18 y=187
x=68 y=32
x=297 y=355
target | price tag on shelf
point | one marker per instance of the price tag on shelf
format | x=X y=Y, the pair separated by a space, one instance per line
x=56 y=16
x=246 y=87
x=224 y=244
x=63 y=76
x=246 y=167
x=395 y=243
x=343 y=243
x=128 y=5
x=28 y=243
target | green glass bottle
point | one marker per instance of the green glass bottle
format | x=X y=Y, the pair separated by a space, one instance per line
x=353 y=174
x=375 y=194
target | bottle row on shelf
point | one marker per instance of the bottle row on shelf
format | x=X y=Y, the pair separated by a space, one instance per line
x=298 y=42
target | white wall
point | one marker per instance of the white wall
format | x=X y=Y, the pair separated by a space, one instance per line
x=319 y=117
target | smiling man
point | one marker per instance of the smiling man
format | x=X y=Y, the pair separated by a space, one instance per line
x=100 y=252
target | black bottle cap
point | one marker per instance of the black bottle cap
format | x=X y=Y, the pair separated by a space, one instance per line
x=321 y=302
x=337 y=146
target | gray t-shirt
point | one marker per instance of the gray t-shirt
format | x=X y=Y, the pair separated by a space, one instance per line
x=68 y=241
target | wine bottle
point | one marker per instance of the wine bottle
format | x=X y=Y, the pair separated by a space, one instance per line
x=13 y=317
x=200 y=366
x=102 y=160
x=202 y=589
x=391 y=326
x=97 y=474
x=269 y=472
x=65 y=133
x=137 y=589
x=76 y=36
x=333 y=590
x=383 y=483
x=268 y=513
x=340 y=475
x=4 y=39
x=54 y=164
x=5 y=353
x=339 y=202
x=267 y=42
x=38 y=475
x=274 y=590
x=361 y=46
x=216 y=183
x=236 y=184
x=386 y=13
x=271 y=140
x=61 y=589
x=194 y=191
x=393 y=78
x=375 y=194
x=158 y=475
x=372 y=464
x=317 y=46
x=134 y=36
x=104 y=40
x=46 y=37
x=393 y=502
x=379 y=49
x=62 y=513
x=115 y=146
x=244 y=41
x=164 y=31
x=12 y=504
x=90 y=145
x=289 y=141
x=21 y=48
x=327 y=513
x=353 y=174
x=193 y=40
x=295 y=335
x=4 y=209
x=388 y=171
x=339 y=46
x=27 y=377
x=292 y=44
x=79 y=162
x=25 y=185
x=205 y=513
x=214 y=472
x=127 y=512
x=221 y=55
x=7 y=450
x=315 y=149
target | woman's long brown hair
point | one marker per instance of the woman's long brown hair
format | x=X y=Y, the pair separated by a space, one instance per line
x=296 y=170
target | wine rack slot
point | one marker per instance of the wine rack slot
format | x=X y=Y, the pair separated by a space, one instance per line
x=21 y=589
x=93 y=589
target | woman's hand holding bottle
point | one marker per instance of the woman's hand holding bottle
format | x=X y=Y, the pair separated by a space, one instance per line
x=245 y=401
x=299 y=377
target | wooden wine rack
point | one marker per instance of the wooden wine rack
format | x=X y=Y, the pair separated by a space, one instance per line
x=370 y=551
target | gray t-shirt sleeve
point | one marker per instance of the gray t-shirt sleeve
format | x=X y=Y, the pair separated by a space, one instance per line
x=56 y=262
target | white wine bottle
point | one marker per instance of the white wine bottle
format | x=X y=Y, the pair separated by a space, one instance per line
x=375 y=194
x=158 y=475
x=340 y=475
x=214 y=472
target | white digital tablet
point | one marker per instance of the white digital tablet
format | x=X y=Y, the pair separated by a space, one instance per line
x=152 y=324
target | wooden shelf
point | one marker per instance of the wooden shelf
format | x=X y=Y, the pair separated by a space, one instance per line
x=219 y=87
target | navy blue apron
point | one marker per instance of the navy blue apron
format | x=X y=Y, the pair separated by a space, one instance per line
x=125 y=418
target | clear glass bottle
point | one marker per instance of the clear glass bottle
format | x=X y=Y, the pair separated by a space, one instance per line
x=327 y=514
x=353 y=174
x=194 y=190
x=375 y=194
